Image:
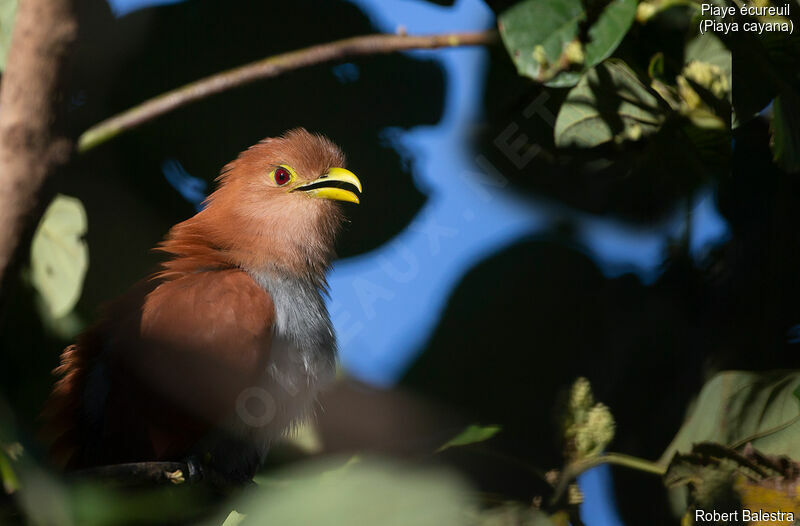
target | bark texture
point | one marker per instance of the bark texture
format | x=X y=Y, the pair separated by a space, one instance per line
x=30 y=149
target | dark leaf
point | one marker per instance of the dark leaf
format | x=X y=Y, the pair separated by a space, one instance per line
x=737 y=407
x=785 y=129
x=533 y=30
x=471 y=435
x=608 y=102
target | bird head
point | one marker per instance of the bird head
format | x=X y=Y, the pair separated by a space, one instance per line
x=277 y=205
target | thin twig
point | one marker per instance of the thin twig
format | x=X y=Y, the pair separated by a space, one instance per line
x=574 y=469
x=271 y=67
x=761 y=434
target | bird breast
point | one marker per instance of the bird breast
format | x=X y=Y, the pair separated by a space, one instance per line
x=302 y=361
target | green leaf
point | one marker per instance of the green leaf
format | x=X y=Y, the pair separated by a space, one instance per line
x=655 y=69
x=735 y=407
x=709 y=48
x=60 y=255
x=471 y=435
x=372 y=492
x=7 y=475
x=234 y=518
x=531 y=27
x=766 y=65
x=609 y=102
x=785 y=128
x=512 y=514
x=8 y=10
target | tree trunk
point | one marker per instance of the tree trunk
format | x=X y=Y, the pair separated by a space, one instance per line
x=30 y=148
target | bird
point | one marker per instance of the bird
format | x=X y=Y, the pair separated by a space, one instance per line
x=224 y=349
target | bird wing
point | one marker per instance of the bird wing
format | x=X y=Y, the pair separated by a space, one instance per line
x=203 y=340
x=166 y=366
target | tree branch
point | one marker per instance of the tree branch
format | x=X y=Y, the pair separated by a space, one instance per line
x=271 y=67
x=30 y=149
x=144 y=473
x=156 y=473
x=573 y=469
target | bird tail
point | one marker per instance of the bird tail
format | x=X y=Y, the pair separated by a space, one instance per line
x=63 y=414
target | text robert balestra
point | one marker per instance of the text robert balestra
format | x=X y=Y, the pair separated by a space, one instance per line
x=746 y=515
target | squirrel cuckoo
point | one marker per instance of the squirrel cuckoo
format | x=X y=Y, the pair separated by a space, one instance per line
x=227 y=346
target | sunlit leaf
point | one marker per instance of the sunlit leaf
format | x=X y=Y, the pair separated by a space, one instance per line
x=60 y=255
x=536 y=34
x=8 y=11
x=512 y=514
x=10 y=450
x=736 y=407
x=709 y=48
x=471 y=435
x=234 y=518
x=7 y=475
x=371 y=492
x=609 y=102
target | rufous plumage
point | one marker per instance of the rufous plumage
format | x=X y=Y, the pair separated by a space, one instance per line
x=223 y=349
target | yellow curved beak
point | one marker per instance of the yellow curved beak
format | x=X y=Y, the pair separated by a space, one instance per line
x=338 y=184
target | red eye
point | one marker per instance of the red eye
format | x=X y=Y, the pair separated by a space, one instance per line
x=282 y=176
